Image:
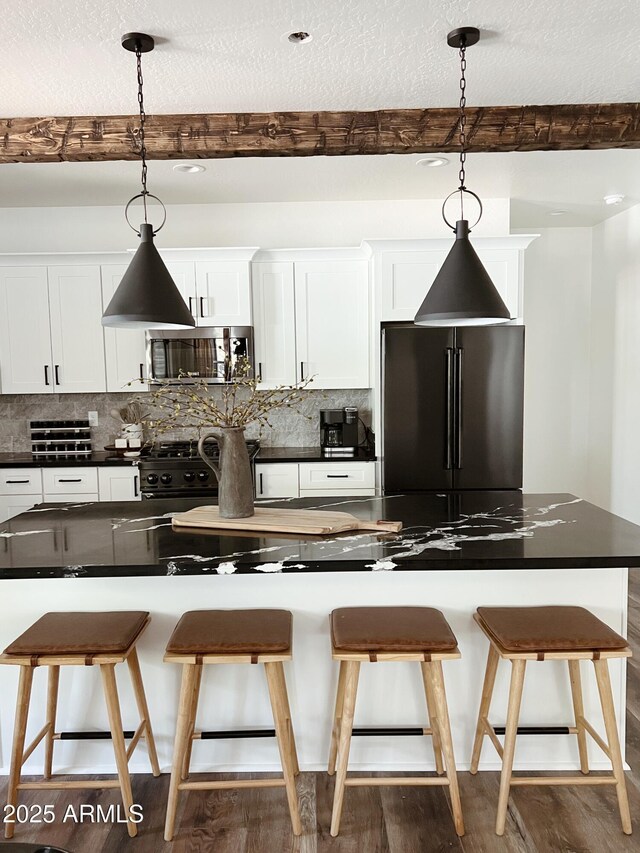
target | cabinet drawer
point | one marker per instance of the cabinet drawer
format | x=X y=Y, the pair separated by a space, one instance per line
x=333 y=476
x=69 y=481
x=20 y=481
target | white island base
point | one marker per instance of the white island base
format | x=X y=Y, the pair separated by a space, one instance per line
x=390 y=694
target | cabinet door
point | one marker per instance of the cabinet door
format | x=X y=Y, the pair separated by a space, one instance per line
x=277 y=480
x=275 y=323
x=406 y=278
x=12 y=505
x=332 y=323
x=75 y=304
x=25 y=338
x=184 y=275
x=119 y=484
x=125 y=349
x=223 y=292
x=503 y=265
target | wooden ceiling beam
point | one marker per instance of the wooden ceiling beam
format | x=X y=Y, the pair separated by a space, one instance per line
x=561 y=127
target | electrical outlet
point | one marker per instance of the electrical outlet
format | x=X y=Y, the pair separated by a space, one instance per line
x=93 y=419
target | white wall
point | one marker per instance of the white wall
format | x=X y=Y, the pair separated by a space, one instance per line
x=614 y=426
x=268 y=225
x=557 y=285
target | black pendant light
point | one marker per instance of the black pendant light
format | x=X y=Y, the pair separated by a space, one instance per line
x=147 y=296
x=462 y=293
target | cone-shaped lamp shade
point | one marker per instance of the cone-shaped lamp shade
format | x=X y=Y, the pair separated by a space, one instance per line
x=147 y=296
x=462 y=293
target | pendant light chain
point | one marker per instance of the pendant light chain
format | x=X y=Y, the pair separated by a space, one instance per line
x=143 y=147
x=462 y=122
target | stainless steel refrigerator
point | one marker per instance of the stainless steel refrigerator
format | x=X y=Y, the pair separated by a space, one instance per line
x=452 y=407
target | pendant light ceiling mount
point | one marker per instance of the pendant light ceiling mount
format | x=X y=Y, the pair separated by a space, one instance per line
x=147 y=296
x=462 y=293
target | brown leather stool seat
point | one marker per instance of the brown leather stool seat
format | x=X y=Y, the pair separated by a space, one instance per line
x=390 y=629
x=549 y=629
x=231 y=632
x=80 y=633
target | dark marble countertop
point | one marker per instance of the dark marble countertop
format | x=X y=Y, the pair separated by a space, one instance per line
x=310 y=454
x=27 y=460
x=474 y=530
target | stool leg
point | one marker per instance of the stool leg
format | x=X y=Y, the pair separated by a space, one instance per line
x=609 y=714
x=108 y=674
x=485 y=706
x=192 y=720
x=433 y=718
x=511 y=730
x=179 y=746
x=291 y=734
x=346 y=725
x=278 y=706
x=52 y=707
x=434 y=674
x=19 y=733
x=337 y=718
x=578 y=712
x=143 y=709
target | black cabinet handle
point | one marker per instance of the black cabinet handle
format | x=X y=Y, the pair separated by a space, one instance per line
x=135 y=486
x=17 y=481
x=202 y=313
x=46 y=375
x=302 y=371
x=448 y=380
x=141 y=372
x=191 y=304
x=56 y=369
x=261 y=485
x=337 y=476
x=259 y=371
x=79 y=480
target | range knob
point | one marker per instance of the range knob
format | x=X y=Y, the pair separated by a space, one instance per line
x=166 y=478
x=203 y=476
x=152 y=478
x=189 y=476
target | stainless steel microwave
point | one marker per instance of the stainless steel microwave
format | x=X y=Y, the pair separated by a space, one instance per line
x=212 y=354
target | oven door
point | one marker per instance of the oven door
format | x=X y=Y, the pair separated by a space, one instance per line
x=213 y=354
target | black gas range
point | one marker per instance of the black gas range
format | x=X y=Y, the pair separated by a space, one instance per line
x=174 y=469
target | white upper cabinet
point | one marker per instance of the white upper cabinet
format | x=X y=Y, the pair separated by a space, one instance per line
x=332 y=323
x=184 y=275
x=223 y=292
x=75 y=304
x=25 y=339
x=125 y=349
x=405 y=276
x=275 y=323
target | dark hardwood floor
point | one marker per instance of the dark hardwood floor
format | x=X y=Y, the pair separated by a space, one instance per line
x=375 y=820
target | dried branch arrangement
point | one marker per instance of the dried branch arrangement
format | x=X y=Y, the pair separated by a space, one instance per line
x=199 y=406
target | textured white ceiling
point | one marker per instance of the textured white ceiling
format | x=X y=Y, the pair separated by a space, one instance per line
x=536 y=182
x=64 y=57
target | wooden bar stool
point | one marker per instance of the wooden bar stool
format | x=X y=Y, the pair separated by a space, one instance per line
x=79 y=639
x=521 y=634
x=231 y=637
x=374 y=634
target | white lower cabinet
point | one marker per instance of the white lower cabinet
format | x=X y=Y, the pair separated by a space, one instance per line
x=277 y=480
x=120 y=483
x=314 y=479
x=20 y=489
x=11 y=505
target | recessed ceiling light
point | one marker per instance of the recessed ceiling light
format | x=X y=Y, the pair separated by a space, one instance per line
x=432 y=162
x=188 y=168
x=614 y=198
x=557 y=212
x=301 y=37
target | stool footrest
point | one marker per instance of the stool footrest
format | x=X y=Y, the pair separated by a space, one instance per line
x=90 y=735
x=73 y=785
x=390 y=731
x=539 y=730
x=563 y=780
x=234 y=733
x=395 y=781
x=221 y=785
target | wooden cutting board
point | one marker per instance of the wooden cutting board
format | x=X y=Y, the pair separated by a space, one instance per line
x=306 y=521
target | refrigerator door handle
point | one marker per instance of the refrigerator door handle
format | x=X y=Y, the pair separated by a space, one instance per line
x=458 y=407
x=449 y=404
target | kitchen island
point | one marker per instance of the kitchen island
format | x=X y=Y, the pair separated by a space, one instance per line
x=455 y=552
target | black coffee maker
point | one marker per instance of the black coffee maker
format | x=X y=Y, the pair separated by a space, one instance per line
x=339 y=431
